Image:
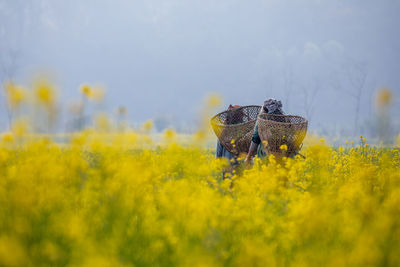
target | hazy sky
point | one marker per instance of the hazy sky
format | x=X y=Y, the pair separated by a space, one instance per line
x=161 y=58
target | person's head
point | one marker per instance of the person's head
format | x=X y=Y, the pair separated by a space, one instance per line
x=234 y=116
x=233 y=106
x=272 y=106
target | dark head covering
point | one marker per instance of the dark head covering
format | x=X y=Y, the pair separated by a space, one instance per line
x=273 y=106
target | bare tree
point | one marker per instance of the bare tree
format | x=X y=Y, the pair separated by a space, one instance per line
x=310 y=92
x=10 y=45
x=357 y=75
x=287 y=84
x=351 y=80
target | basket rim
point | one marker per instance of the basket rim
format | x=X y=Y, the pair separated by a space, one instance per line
x=232 y=125
x=259 y=117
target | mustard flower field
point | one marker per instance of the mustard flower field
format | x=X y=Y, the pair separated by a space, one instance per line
x=117 y=196
x=106 y=200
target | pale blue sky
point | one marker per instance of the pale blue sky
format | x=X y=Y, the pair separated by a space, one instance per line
x=162 y=57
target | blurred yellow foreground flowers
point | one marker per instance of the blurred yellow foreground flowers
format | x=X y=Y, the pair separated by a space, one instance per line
x=105 y=200
x=107 y=197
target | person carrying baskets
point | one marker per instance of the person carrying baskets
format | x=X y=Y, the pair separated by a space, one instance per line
x=221 y=151
x=271 y=106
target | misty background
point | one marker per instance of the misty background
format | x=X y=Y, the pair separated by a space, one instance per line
x=324 y=59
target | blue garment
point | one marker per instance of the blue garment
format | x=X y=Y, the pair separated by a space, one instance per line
x=222 y=152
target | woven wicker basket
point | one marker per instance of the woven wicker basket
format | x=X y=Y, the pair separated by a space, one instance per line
x=277 y=130
x=234 y=128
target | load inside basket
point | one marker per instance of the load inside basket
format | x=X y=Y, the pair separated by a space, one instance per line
x=234 y=128
x=275 y=131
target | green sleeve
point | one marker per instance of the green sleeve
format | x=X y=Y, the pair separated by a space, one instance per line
x=256 y=138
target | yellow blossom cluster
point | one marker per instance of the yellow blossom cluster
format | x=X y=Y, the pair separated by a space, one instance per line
x=384 y=97
x=45 y=92
x=107 y=200
x=95 y=93
x=15 y=94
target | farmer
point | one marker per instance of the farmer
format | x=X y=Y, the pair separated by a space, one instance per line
x=271 y=106
x=221 y=152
